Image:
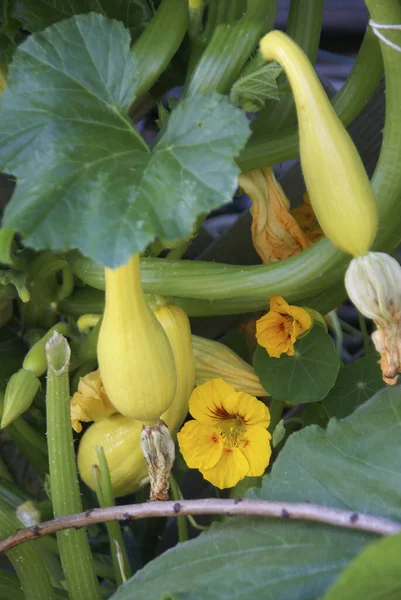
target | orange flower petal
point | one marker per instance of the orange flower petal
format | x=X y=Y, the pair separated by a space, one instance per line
x=231 y=468
x=273 y=332
x=200 y=445
x=206 y=401
x=257 y=450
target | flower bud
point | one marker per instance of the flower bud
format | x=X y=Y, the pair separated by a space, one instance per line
x=35 y=360
x=215 y=360
x=20 y=391
x=135 y=358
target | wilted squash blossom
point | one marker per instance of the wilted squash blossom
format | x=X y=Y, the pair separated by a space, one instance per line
x=335 y=177
x=275 y=233
x=215 y=360
x=307 y=221
x=90 y=402
x=135 y=358
x=373 y=283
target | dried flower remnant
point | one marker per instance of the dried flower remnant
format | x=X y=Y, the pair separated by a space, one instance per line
x=373 y=283
x=307 y=220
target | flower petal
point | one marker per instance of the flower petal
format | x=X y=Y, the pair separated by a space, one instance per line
x=231 y=468
x=206 y=401
x=256 y=448
x=302 y=320
x=273 y=332
x=200 y=445
x=251 y=410
x=278 y=304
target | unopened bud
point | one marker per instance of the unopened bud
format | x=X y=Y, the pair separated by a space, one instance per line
x=159 y=451
x=20 y=391
x=213 y=359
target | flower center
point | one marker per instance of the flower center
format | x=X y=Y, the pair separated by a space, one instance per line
x=232 y=430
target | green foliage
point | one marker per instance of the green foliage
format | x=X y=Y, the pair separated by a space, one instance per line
x=355 y=384
x=261 y=559
x=251 y=91
x=373 y=575
x=305 y=377
x=35 y=15
x=88 y=179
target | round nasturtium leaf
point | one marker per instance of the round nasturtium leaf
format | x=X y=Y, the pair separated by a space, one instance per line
x=308 y=376
x=355 y=384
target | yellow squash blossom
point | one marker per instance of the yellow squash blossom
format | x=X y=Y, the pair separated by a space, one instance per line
x=306 y=219
x=90 y=402
x=275 y=233
x=228 y=438
x=278 y=330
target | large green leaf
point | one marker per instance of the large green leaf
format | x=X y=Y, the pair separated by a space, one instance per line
x=85 y=177
x=374 y=575
x=248 y=558
x=354 y=464
x=38 y=14
x=307 y=376
x=354 y=385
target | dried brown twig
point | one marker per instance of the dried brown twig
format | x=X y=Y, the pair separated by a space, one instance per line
x=209 y=506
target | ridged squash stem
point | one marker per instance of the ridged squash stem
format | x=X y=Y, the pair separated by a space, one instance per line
x=27 y=562
x=159 y=42
x=74 y=547
x=135 y=358
x=230 y=46
x=304 y=26
x=338 y=185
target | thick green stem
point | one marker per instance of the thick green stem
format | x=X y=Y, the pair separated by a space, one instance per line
x=33 y=577
x=159 y=42
x=74 y=548
x=228 y=50
x=271 y=149
x=304 y=26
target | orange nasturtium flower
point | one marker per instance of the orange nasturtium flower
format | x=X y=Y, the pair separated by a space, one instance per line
x=278 y=330
x=228 y=440
x=90 y=402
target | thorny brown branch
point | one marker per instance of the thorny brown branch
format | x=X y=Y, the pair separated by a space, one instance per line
x=208 y=506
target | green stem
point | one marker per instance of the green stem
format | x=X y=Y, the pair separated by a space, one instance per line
x=271 y=149
x=335 y=324
x=364 y=331
x=105 y=498
x=181 y=521
x=276 y=408
x=33 y=577
x=304 y=27
x=159 y=42
x=228 y=50
x=74 y=548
